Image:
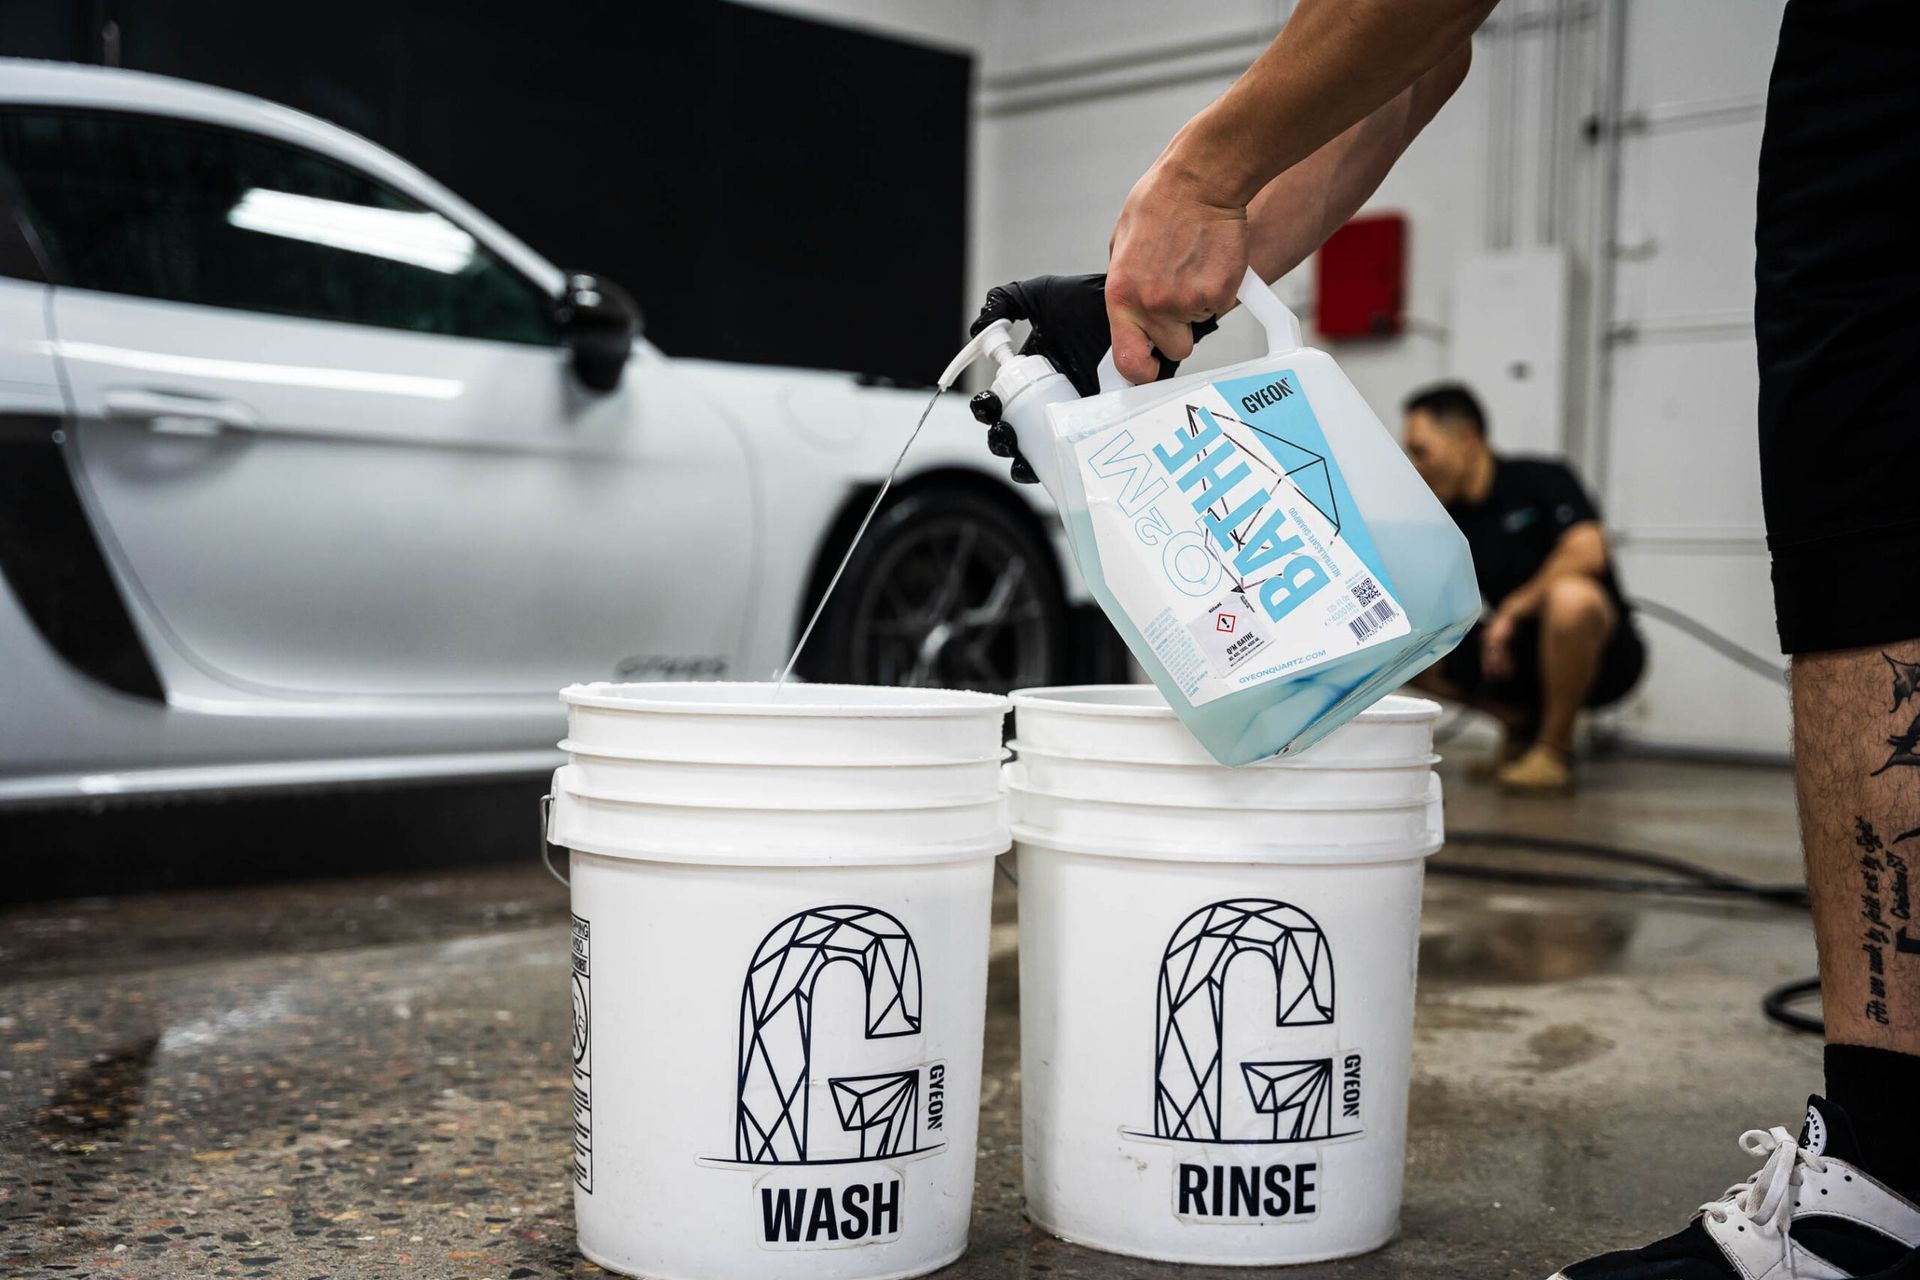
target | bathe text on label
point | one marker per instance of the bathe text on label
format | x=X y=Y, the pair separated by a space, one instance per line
x=1210 y=467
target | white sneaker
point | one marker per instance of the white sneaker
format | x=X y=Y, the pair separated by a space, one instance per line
x=1810 y=1213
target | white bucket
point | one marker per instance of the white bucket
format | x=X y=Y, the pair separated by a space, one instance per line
x=743 y=1105
x=1132 y=722
x=1184 y=1106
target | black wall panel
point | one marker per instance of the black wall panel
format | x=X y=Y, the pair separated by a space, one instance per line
x=771 y=189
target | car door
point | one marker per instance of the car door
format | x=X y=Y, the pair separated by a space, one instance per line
x=333 y=441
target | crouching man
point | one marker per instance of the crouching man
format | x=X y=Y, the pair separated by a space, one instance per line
x=1559 y=635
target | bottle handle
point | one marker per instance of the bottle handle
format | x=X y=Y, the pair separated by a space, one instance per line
x=1275 y=316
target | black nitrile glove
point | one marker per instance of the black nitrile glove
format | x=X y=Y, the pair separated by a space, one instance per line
x=1069 y=318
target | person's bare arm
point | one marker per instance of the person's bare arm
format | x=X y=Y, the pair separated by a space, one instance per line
x=1181 y=244
x=1295 y=213
x=1582 y=549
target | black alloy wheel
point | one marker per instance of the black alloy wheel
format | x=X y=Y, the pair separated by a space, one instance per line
x=948 y=589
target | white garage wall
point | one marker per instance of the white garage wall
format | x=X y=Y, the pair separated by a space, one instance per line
x=1677 y=455
x=1076 y=97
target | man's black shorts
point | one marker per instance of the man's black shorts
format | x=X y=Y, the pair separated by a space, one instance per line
x=1837 y=319
x=1621 y=664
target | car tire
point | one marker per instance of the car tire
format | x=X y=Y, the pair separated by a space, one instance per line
x=950 y=587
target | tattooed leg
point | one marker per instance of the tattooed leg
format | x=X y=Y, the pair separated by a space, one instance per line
x=1856 y=744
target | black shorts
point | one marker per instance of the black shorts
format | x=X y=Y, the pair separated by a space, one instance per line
x=1837 y=320
x=1621 y=664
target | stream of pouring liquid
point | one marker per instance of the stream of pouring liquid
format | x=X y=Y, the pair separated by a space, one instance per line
x=858 y=534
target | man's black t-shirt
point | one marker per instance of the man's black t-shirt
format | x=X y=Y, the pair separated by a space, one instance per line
x=1512 y=531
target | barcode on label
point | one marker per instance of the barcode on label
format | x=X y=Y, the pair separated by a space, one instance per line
x=1373 y=619
x=1366 y=591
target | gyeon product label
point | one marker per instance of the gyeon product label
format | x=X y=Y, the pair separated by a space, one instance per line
x=1227 y=532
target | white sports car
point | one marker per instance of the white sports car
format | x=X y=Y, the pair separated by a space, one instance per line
x=311 y=473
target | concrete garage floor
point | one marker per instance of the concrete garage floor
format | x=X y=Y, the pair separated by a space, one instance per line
x=367 y=1077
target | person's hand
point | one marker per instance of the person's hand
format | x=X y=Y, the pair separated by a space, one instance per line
x=1069 y=318
x=1177 y=257
x=1496 y=647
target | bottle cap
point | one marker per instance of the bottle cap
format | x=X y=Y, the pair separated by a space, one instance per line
x=995 y=340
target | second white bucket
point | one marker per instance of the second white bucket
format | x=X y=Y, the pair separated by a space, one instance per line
x=1216 y=1010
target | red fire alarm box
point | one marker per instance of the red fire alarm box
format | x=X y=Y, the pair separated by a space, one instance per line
x=1360 y=285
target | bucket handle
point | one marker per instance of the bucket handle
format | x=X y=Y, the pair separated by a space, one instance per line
x=1436 y=809
x=1275 y=316
x=546 y=845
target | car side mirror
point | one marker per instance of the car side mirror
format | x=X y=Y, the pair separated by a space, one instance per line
x=597 y=320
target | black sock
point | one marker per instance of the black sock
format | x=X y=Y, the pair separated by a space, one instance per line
x=1880 y=1092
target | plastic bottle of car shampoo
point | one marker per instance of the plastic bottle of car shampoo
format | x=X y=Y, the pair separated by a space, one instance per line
x=1256 y=536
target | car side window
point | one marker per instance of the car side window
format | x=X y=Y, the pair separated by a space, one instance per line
x=189 y=212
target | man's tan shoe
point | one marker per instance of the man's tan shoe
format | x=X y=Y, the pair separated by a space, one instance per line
x=1541 y=768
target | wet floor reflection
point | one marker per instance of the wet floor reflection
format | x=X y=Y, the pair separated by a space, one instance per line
x=1526 y=941
x=91 y=1106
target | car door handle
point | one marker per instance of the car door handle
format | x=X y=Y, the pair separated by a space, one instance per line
x=177 y=413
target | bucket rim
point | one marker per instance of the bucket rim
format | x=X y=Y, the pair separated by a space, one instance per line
x=657 y=699
x=1344 y=806
x=1318 y=854
x=575 y=748
x=652 y=802
x=1291 y=764
x=1053 y=697
x=764 y=855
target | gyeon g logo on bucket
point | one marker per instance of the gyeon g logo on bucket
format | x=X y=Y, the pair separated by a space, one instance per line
x=827 y=1152
x=1246 y=1100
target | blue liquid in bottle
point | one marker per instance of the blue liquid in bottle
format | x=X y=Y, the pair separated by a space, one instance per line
x=1436 y=587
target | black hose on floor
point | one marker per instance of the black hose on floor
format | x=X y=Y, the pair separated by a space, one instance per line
x=1691 y=879
x=1778 y=1005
